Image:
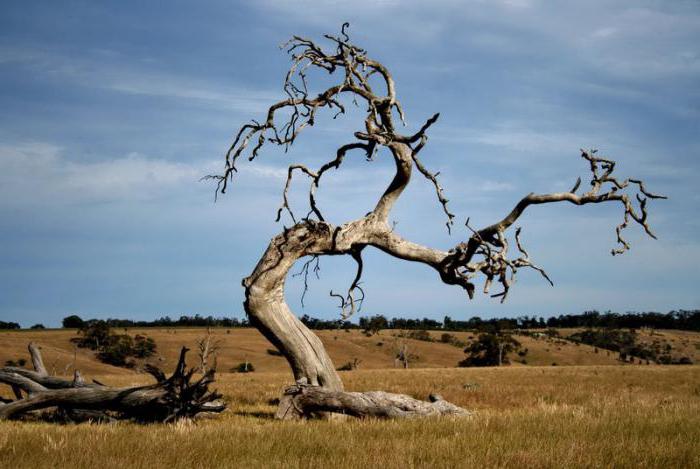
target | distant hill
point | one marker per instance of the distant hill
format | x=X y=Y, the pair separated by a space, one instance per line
x=374 y=352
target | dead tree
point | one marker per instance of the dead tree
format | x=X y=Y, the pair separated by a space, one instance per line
x=402 y=357
x=486 y=252
x=206 y=347
x=306 y=401
x=167 y=400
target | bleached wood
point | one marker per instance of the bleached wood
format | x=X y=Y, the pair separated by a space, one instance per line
x=483 y=254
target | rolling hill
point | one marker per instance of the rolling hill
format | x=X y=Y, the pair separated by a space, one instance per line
x=375 y=352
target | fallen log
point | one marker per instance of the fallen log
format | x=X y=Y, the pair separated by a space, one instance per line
x=302 y=401
x=168 y=399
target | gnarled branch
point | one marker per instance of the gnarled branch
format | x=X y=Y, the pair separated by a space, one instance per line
x=169 y=399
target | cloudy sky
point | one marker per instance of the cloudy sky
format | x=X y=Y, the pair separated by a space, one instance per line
x=113 y=111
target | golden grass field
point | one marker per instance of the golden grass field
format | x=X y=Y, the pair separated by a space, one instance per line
x=526 y=416
x=238 y=345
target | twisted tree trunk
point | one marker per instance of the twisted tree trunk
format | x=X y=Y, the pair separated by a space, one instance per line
x=485 y=253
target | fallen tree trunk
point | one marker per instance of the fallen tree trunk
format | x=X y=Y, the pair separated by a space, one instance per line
x=166 y=400
x=306 y=401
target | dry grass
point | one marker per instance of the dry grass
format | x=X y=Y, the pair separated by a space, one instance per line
x=597 y=416
x=238 y=345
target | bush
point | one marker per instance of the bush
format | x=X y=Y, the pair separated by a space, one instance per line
x=9 y=325
x=143 y=347
x=117 y=350
x=349 y=366
x=446 y=338
x=451 y=339
x=38 y=326
x=20 y=362
x=420 y=335
x=244 y=367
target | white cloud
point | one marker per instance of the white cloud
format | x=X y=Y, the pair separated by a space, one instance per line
x=39 y=173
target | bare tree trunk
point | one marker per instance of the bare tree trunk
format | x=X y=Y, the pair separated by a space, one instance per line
x=269 y=312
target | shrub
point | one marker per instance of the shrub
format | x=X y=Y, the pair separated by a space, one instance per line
x=143 y=347
x=117 y=350
x=451 y=339
x=244 y=367
x=38 y=326
x=349 y=366
x=420 y=335
x=9 y=325
x=446 y=337
x=20 y=362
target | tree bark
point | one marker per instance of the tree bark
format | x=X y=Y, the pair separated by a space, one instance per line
x=269 y=312
x=304 y=401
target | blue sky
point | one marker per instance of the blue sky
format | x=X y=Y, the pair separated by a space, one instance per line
x=112 y=111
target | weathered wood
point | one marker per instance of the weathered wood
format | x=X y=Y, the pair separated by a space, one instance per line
x=485 y=253
x=168 y=399
x=305 y=401
x=37 y=360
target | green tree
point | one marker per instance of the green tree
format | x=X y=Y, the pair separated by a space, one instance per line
x=96 y=334
x=490 y=350
x=73 y=322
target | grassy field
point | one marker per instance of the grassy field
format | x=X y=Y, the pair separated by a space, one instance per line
x=599 y=415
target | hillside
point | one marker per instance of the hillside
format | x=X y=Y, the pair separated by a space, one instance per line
x=375 y=352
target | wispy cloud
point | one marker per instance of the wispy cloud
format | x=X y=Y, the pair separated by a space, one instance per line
x=39 y=173
x=114 y=73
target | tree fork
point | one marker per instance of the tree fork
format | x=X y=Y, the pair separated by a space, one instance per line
x=485 y=253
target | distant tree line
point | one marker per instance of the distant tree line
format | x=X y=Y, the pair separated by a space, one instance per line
x=680 y=319
x=76 y=322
